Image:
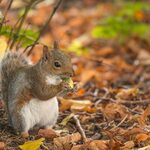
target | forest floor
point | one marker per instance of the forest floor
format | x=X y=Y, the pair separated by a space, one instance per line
x=111 y=104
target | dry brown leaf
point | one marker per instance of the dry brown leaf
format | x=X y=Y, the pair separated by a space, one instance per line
x=76 y=22
x=64 y=104
x=114 y=144
x=87 y=75
x=76 y=147
x=143 y=118
x=144 y=57
x=127 y=93
x=105 y=51
x=77 y=108
x=142 y=137
x=76 y=105
x=2 y=146
x=80 y=92
x=48 y=133
x=67 y=141
x=128 y=145
x=113 y=111
x=93 y=145
x=41 y=12
x=131 y=133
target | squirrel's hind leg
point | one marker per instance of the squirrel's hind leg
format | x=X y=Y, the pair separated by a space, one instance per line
x=20 y=124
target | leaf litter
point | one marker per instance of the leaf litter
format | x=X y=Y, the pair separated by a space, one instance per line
x=112 y=101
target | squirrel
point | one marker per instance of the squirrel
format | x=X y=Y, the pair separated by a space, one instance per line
x=30 y=91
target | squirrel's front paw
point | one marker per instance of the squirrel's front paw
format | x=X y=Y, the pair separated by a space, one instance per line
x=65 y=86
x=24 y=134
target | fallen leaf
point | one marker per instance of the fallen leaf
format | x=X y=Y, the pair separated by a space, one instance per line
x=80 y=92
x=105 y=51
x=66 y=142
x=113 y=111
x=93 y=145
x=128 y=145
x=74 y=105
x=32 y=145
x=48 y=133
x=2 y=146
x=66 y=120
x=87 y=75
x=142 y=137
x=76 y=147
x=144 y=148
x=142 y=119
x=131 y=133
x=127 y=93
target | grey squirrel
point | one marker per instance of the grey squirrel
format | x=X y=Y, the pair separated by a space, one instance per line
x=29 y=91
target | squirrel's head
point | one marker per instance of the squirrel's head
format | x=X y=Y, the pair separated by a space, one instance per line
x=56 y=62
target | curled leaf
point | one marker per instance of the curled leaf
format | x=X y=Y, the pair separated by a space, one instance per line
x=48 y=133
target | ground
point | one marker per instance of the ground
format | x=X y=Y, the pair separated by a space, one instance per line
x=111 y=103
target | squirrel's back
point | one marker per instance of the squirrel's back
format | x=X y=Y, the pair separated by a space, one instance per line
x=11 y=62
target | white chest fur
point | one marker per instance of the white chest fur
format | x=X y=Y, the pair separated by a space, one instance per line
x=53 y=80
x=41 y=113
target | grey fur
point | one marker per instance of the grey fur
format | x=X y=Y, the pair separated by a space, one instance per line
x=22 y=82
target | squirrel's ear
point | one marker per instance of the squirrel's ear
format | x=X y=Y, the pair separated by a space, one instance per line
x=56 y=45
x=45 y=52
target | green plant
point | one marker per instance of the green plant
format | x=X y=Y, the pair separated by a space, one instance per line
x=27 y=37
x=123 y=24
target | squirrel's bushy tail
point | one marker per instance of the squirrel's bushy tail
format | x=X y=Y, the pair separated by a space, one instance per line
x=9 y=64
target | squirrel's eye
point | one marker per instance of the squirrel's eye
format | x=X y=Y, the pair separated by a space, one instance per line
x=57 y=64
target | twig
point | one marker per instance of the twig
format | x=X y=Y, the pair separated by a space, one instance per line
x=21 y=23
x=7 y=9
x=12 y=33
x=80 y=128
x=121 y=122
x=102 y=100
x=46 y=24
x=147 y=101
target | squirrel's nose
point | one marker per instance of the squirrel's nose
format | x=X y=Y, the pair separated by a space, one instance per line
x=71 y=73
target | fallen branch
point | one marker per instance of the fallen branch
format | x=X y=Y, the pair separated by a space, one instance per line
x=80 y=128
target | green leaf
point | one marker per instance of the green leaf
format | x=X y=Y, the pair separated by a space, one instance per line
x=77 y=47
x=129 y=8
x=27 y=37
x=105 y=32
x=69 y=81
